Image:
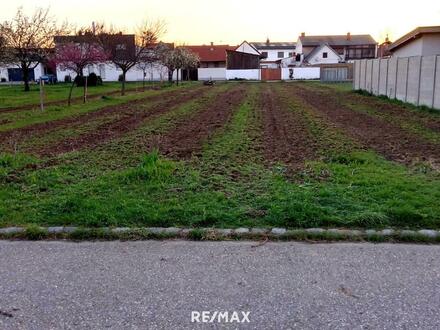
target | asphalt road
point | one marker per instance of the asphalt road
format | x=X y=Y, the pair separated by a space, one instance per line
x=157 y=285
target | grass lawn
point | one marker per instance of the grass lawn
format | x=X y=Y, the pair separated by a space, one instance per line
x=231 y=155
x=14 y=96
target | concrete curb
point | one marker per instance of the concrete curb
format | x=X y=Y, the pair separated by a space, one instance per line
x=125 y=233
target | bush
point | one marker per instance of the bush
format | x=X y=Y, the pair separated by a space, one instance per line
x=67 y=79
x=3 y=79
x=120 y=78
x=92 y=80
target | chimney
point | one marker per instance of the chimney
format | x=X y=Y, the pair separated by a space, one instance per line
x=93 y=28
x=348 y=36
x=303 y=34
x=212 y=44
x=267 y=41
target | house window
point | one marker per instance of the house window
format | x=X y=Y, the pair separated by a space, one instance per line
x=280 y=54
x=324 y=55
x=264 y=54
x=290 y=54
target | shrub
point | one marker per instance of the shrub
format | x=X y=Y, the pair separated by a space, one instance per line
x=67 y=79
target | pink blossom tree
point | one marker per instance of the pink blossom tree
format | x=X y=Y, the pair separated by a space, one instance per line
x=76 y=56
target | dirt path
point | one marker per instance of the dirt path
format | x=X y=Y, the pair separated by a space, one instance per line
x=126 y=122
x=286 y=137
x=372 y=132
x=13 y=138
x=187 y=138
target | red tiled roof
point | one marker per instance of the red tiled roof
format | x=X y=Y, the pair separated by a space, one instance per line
x=208 y=53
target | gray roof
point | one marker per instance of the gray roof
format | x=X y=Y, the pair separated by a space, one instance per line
x=416 y=33
x=274 y=45
x=338 y=40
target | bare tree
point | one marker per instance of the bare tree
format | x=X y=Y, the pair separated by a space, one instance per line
x=28 y=40
x=126 y=51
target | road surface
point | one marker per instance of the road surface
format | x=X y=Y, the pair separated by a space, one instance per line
x=163 y=284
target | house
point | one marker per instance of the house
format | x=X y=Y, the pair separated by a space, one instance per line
x=383 y=50
x=243 y=62
x=275 y=54
x=348 y=47
x=212 y=61
x=121 y=46
x=422 y=41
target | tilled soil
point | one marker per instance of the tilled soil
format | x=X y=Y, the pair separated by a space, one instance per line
x=372 y=132
x=13 y=138
x=381 y=108
x=286 y=137
x=187 y=138
x=126 y=122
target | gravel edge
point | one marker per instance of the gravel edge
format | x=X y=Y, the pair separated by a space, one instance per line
x=213 y=234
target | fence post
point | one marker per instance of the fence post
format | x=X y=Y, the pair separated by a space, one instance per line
x=406 y=85
x=386 y=76
x=434 y=86
x=41 y=94
x=420 y=78
x=395 y=80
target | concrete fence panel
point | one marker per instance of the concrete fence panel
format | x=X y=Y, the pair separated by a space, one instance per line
x=362 y=69
x=383 y=76
x=427 y=80
x=402 y=78
x=375 y=77
x=437 y=83
x=369 y=76
x=413 y=84
x=392 y=78
x=357 y=77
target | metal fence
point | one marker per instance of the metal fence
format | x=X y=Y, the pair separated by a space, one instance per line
x=414 y=79
x=337 y=72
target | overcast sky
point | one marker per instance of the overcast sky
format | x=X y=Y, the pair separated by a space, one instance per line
x=232 y=21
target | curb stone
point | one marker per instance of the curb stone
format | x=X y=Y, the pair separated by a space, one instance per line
x=423 y=235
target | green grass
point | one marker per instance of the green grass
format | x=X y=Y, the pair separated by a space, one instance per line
x=121 y=183
x=14 y=95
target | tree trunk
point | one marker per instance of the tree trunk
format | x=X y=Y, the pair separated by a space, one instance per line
x=177 y=77
x=123 y=83
x=69 y=100
x=25 y=71
x=170 y=75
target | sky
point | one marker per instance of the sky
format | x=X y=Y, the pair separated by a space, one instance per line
x=232 y=21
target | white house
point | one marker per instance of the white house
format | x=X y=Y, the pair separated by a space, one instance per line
x=348 y=47
x=323 y=54
x=274 y=54
x=422 y=41
x=13 y=73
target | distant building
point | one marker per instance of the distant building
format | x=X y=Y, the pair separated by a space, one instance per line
x=325 y=48
x=274 y=54
x=421 y=41
x=384 y=48
x=212 y=61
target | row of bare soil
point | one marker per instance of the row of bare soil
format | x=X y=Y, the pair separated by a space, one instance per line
x=386 y=109
x=371 y=132
x=189 y=134
x=126 y=122
x=286 y=137
x=127 y=116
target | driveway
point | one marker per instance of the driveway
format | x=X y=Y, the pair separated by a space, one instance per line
x=162 y=285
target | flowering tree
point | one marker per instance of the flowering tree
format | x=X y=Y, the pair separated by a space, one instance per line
x=29 y=39
x=76 y=56
x=178 y=59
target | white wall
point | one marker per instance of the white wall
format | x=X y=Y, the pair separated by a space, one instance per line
x=4 y=73
x=413 y=48
x=212 y=73
x=431 y=44
x=246 y=48
x=317 y=58
x=300 y=73
x=251 y=74
x=109 y=72
x=272 y=54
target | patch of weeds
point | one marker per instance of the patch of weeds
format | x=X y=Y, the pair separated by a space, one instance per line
x=369 y=219
x=196 y=234
x=35 y=232
x=151 y=168
x=406 y=217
